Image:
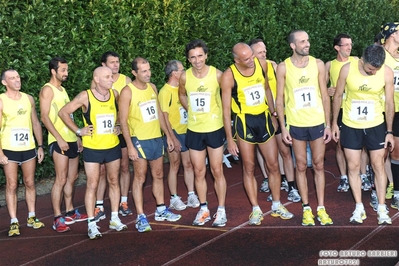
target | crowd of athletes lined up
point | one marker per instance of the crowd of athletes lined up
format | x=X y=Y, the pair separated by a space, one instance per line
x=277 y=116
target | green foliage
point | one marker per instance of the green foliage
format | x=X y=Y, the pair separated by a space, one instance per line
x=34 y=31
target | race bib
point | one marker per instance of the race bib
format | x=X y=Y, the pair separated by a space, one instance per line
x=362 y=110
x=254 y=95
x=149 y=111
x=105 y=124
x=305 y=97
x=183 y=115
x=200 y=102
x=20 y=137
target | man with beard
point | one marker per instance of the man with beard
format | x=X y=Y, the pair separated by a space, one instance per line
x=302 y=93
x=63 y=143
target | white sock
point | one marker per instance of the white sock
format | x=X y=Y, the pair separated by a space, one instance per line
x=31 y=214
x=114 y=216
x=124 y=199
x=275 y=205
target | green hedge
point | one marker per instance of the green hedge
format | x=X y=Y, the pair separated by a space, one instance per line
x=32 y=32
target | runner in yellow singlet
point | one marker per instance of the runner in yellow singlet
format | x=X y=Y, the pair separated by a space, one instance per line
x=247 y=98
x=142 y=121
x=100 y=141
x=199 y=93
x=302 y=96
x=390 y=40
x=20 y=127
x=176 y=121
x=111 y=59
x=64 y=146
x=369 y=92
x=342 y=44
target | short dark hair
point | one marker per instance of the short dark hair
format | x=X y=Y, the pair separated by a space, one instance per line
x=337 y=39
x=196 y=44
x=291 y=36
x=105 y=56
x=138 y=60
x=255 y=41
x=3 y=74
x=54 y=63
x=374 y=55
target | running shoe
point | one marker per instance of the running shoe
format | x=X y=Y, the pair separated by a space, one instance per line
x=192 y=201
x=358 y=216
x=166 y=215
x=202 y=217
x=142 y=224
x=374 y=200
x=124 y=209
x=14 y=229
x=177 y=204
x=76 y=217
x=93 y=232
x=395 y=202
x=389 y=193
x=264 y=187
x=323 y=217
x=294 y=196
x=343 y=184
x=220 y=219
x=34 y=222
x=99 y=215
x=308 y=217
x=269 y=198
x=383 y=216
x=256 y=217
x=284 y=184
x=366 y=184
x=117 y=225
x=282 y=212
x=60 y=226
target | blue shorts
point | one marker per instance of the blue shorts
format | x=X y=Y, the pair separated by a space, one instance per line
x=102 y=156
x=20 y=157
x=181 y=138
x=307 y=133
x=150 y=149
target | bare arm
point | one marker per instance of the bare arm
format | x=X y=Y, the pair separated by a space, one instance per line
x=37 y=130
x=389 y=106
x=337 y=101
x=3 y=158
x=80 y=101
x=124 y=108
x=326 y=100
x=226 y=86
x=330 y=90
x=269 y=94
x=280 y=76
x=182 y=91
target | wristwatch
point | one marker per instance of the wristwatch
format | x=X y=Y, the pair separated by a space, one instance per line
x=78 y=132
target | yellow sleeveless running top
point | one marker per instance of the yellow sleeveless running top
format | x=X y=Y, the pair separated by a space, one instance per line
x=120 y=83
x=364 y=103
x=60 y=99
x=248 y=93
x=16 y=124
x=393 y=63
x=271 y=77
x=169 y=101
x=303 y=103
x=204 y=102
x=143 y=115
x=102 y=115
